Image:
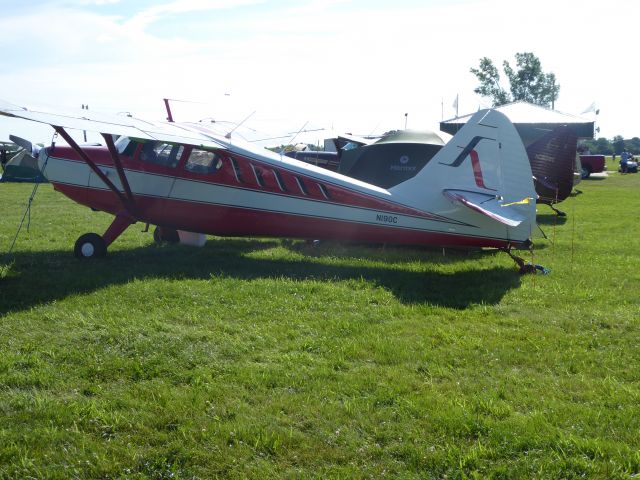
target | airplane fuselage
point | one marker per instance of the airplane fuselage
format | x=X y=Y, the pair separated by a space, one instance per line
x=254 y=195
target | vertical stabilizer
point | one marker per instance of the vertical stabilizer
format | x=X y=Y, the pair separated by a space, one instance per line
x=482 y=176
x=553 y=158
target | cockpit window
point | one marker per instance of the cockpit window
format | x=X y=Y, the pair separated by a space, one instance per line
x=203 y=161
x=163 y=154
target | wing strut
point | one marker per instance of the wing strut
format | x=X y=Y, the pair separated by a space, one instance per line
x=118 y=164
x=127 y=201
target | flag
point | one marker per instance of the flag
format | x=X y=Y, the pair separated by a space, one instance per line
x=455 y=105
x=524 y=201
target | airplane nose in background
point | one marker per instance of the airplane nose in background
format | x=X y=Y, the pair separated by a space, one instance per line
x=21 y=142
x=32 y=149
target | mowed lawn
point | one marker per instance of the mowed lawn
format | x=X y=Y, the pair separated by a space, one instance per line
x=263 y=358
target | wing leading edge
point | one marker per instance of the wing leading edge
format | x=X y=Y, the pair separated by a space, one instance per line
x=111 y=124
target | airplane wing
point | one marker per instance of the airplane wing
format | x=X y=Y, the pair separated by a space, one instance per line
x=486 y=204
x=346 y=137
x=110 y=124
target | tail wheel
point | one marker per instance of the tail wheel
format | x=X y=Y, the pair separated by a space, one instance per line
x=90 y=245
x=164 y=234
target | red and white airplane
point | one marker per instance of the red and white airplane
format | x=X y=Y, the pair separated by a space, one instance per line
x=190 y=180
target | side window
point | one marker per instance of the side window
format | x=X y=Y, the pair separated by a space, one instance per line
x=203 y=161
x=126 y=146
x=163 y=154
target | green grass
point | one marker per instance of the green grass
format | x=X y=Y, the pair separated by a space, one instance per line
x=272 y=359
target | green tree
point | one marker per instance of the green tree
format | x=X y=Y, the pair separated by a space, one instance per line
x=489 y=78
x=601 y=146
x=633 y=145
x=526 y=82
x=618 y=144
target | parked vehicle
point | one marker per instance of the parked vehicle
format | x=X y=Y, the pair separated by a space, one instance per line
x=591 y=164
x=632 y=166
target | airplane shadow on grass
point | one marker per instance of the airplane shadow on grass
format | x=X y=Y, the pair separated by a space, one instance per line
x=43 y=277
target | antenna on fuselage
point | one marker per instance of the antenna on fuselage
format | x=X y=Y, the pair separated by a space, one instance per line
x=228 y=135
x=168 y=107
x=84 y=132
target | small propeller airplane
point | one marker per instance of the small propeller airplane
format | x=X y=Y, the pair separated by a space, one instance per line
x=553 y=161
x=190 y=180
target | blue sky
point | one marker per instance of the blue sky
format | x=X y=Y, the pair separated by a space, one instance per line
x=354 y=66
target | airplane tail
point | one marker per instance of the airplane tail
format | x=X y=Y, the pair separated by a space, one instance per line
x=553 y=158
x=482 y=177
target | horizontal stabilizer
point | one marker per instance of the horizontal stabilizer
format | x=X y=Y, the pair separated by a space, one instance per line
x=545 y=183
x=489 y=205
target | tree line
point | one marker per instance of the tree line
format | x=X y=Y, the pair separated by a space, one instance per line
x=604 y=146
x=530 y=83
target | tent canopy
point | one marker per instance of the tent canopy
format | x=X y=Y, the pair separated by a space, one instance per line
x=532 y=121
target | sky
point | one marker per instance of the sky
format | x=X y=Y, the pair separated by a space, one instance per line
x=314 y=66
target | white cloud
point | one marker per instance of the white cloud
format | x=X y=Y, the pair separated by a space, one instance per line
x=152 y=14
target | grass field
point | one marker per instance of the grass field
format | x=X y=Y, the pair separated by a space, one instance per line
x=271 y=359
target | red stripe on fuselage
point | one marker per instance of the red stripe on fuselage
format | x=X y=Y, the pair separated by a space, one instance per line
x=227 y=176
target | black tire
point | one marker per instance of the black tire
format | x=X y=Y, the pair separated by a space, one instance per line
x=90 y=245
x=164 y=234
x=585 y=172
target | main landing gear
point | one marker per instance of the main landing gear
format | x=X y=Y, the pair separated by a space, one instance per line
x=92 y=245
x=165 y=234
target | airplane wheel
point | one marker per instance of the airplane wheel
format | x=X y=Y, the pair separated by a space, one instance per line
x=90 y=245
x=164 y=234
x=585 y=173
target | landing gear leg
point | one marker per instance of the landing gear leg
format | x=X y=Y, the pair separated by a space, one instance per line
x=92 y=245
x=526 y=267
x=559 y=213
